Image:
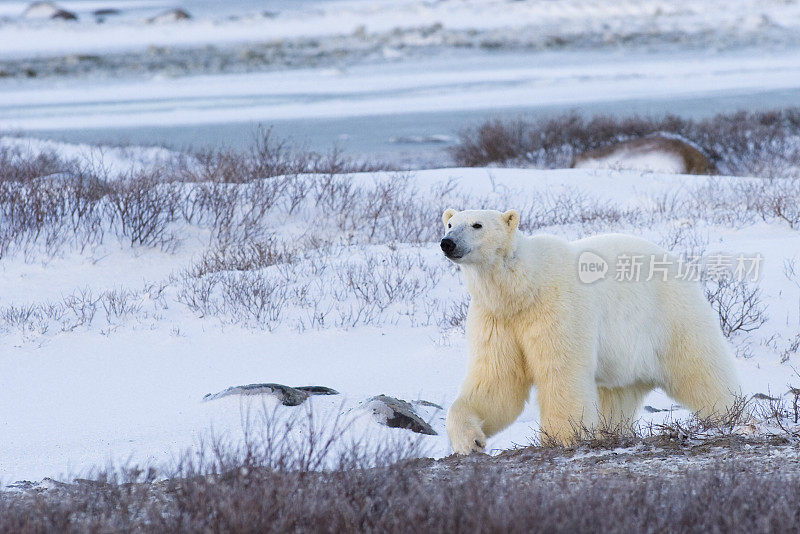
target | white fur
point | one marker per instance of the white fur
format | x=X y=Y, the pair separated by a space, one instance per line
x=592 y=350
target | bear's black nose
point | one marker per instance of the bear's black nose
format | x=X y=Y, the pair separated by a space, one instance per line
x=448 y=246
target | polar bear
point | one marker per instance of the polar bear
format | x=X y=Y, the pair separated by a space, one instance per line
x=593 y=343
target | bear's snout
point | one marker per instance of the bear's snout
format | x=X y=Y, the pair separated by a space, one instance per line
x=448 y=246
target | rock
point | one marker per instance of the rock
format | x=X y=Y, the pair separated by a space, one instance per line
x=48 y=483
x=47 y=10
x=288 y=396
x=427 y=403
x=22 y=485
x=171 y=15
x=397 y=413
x=762 y=396
x=653 y=409
x=659 y=153
x=317 y=390
x=104 y=12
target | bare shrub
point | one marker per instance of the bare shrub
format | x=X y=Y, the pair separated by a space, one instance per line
x=742 y=143
x=684 y=238
x=119 y=303
x=455 y=315
x=775 y=199
x=738 y=304
x=143 y=204
x=246 y=256
x=196 y=293
x=253 y=297
x=574 y=207
x=26 y=318
x=494 y=141
x=53 y=210
x=81 y=308
x=268 y=157
x=382 y=281
x=55 y=203
x=19 y=166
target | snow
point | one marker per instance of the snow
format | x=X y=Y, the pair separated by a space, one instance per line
x=540 y=19
x=130 y=389
x=656 y=161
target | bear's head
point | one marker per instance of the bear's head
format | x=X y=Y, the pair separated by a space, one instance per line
x=478 y=236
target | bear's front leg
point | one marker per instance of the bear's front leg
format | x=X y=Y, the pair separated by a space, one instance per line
x=494 y=392
x=464 y=429
x=568 y=404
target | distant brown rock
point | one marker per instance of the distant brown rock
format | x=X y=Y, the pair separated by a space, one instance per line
x=659 y=153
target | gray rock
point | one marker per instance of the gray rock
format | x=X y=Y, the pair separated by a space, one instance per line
x=47 y=10
x=652 y=409
x=427 y=403
x=762 y=396
x=106 y=11
x=288 y=396
x=397 y=413
x=317 y=390
x=171 y=15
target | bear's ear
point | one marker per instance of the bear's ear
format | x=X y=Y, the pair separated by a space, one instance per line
x=511 y=218
x=448 y=213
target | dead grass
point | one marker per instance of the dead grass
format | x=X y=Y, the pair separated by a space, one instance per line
x=743 y=144
x=275 y=481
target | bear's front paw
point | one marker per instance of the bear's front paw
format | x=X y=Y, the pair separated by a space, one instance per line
x=468 y=440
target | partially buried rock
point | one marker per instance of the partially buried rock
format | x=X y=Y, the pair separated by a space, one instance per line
x=171 y=15
x=317 y=390
x=658 y=153
x=105 y=12
x=397 y=413
x=287 y=395
x=47 y=10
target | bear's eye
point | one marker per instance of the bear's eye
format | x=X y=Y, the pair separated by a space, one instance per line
x=477 y=226
x=449 y=225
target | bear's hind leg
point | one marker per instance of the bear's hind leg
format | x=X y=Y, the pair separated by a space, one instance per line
x=699 y=374
x=620 y=406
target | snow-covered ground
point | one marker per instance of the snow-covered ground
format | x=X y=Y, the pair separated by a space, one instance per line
x=107 y=350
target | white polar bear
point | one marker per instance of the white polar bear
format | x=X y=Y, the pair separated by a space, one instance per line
x=593 y=350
